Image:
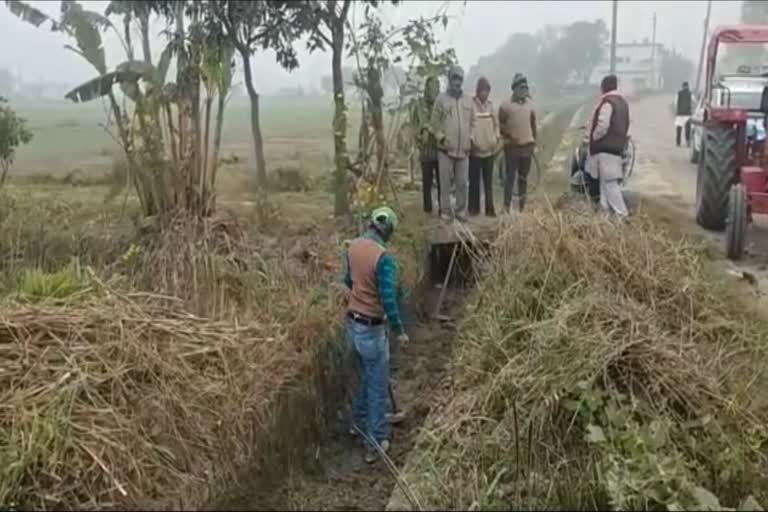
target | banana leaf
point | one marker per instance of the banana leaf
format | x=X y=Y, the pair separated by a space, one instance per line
x=100 y=86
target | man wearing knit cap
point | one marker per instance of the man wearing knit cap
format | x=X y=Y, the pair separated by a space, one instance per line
x=485 y=139
x=517 y=121
x=453 y=122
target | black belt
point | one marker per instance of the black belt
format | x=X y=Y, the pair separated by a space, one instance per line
x=364 y=319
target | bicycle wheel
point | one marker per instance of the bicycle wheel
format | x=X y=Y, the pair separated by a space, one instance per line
x=631 y=157
x=534 y=175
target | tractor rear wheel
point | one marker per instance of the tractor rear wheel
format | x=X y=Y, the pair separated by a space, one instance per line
x=736 y=225
x=716 y=174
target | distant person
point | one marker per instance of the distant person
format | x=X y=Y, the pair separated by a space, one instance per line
x=427 y=144
x=370 y=273
x=683 y=111
x=517 y=121
x=452 y=121
x=608 y=136
x=485 y=139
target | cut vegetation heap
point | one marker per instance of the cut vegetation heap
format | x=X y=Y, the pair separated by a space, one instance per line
x=113 y=399
x=602 y=366
x=121 y=401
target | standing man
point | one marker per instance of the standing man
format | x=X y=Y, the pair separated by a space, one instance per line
x=485 y=138
x=427 y=144
x=452 y=121
x=371 y=275
x=517 y=119
x=683 y=111
x=608 y=132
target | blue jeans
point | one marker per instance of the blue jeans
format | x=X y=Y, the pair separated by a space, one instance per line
x=371 y=354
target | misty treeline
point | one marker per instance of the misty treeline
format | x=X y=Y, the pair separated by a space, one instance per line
x=170 y=127
x=550 y=57
x=557 y=57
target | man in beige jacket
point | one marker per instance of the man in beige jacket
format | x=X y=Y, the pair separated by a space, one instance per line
x=452 y=122
x=485 y=139
x=517 y=120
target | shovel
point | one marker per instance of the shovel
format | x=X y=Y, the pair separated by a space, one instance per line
x=396 y=416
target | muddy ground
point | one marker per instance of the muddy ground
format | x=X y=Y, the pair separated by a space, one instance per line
x=339 y=479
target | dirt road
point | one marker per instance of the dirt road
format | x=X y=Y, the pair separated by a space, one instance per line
x=664 y=179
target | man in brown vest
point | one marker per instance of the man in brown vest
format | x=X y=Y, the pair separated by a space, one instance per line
x=517 y=121
x=608 y=136
x=371 y=275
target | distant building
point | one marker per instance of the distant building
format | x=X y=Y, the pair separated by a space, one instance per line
x=638 y=67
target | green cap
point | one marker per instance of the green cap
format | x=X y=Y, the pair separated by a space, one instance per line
x=384 y=215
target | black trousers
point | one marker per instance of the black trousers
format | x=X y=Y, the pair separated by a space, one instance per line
x=518 y=167
x=481 y=170
x=429 y=175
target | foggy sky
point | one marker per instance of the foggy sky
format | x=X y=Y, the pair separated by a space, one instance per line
x=474 y=30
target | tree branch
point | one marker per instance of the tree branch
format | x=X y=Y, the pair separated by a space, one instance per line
x=345 y=11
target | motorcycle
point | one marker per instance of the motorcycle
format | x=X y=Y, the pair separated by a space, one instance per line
x=582 y=183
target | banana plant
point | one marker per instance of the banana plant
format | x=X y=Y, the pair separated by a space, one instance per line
x=203 y=61
x=217 y=73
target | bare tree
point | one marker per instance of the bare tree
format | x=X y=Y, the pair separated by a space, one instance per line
x=251 y=26
x=326 y=22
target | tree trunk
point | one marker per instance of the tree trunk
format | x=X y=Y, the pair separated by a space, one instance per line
x=341 y=201
x=144 y=27
x=258 y=141
x=216 y=149
x=206 y=145
x=376 y=95
x=4 y=166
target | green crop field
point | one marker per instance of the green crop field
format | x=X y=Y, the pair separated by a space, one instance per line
x=72 y=137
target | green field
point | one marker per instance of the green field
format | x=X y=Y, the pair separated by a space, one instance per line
x=69 y=137
x=297 y=133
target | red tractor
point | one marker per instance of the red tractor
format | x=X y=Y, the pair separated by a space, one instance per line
x=732 y=178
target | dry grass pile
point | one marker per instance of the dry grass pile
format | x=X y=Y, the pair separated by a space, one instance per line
x=604 y=365
x=178 y=258
x=127 y=401
x=220 y=268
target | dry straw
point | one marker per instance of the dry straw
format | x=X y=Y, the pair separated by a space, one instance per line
x=130 y=402
x=571 y=300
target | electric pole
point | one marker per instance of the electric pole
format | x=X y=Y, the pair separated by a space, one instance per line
x=613 y=36
x=653 y=54
x=703 y=47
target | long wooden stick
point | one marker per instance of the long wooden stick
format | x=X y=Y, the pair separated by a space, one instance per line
x=445 y=281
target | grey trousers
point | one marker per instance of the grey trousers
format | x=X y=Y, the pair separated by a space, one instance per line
x=453 y=171
x=607 y=168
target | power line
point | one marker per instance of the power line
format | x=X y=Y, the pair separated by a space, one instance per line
x=703 y=46
x=613 y=36
x=653 y=54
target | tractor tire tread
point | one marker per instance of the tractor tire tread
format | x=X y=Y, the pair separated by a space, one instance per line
x=736 y=228
x=717 y=174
